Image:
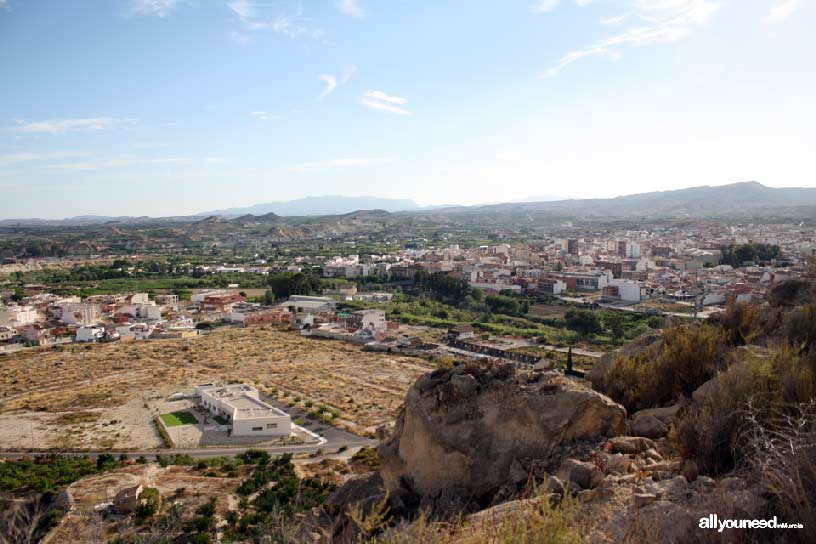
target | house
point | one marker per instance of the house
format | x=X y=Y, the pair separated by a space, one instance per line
x=373 y=297
x=35 y=334
x=126 y=501
x=220 y=303
x=241 y=406
x=17 y=316
x=249 y=315
x=89 y=334
x=7 y=334
x=80 y=313
x=461 y=332
x=551 y=286
x=370 y=320
x=303 y=303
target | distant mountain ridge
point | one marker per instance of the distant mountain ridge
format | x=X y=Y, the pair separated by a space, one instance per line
x=733 y=201
x=320 y=205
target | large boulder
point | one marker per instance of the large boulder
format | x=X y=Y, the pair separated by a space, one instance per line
x=464 y=432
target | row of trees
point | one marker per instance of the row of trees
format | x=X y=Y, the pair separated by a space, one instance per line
x=736 y=254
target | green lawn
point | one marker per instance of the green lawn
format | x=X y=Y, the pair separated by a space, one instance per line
x=178 y=418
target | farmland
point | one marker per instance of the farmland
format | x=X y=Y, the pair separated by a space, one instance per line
x=106 y=395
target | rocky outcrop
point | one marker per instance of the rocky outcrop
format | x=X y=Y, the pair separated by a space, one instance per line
x=464 y=432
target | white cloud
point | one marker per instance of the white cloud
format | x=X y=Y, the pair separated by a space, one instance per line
x=781 y=11
x=350 y=8
x=378 y=100
x=104 y=164
x=254 y=17
x=60 y=126
x=263 y=115
x=4 y=4
x=157 y=8
x=336 y=163
x=331 y=85
x=664 y=21
x=332 y=81
x=14 y=158
x=544 y=6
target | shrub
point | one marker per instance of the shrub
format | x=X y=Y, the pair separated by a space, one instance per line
x=690 y=356
x=782 y=449
x=709 y=431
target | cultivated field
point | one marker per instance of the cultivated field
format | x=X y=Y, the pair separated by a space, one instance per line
x=107 y=395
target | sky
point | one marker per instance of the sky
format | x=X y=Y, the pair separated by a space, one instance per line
x=173 y=107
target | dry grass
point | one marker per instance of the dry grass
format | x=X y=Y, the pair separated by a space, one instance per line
x=366 y=389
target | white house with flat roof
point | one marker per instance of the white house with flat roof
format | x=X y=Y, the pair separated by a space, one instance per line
x=246 y=412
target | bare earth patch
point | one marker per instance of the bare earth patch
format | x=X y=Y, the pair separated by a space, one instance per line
x=106 y=396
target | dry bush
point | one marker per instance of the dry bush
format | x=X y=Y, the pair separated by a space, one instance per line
x=782 y=448
x=536 y=521
x=710 y=429
x=689 y=356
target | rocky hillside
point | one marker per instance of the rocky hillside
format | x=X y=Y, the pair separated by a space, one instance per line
x=695 y=420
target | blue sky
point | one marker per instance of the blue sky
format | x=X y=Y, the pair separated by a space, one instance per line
x=165 y=107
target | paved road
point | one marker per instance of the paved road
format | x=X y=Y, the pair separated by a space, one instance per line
x=216 y=451
x=334 y=438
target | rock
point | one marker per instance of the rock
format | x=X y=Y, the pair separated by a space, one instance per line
x=617 y=463
x=554 y=485
x=666 y=415
x=510 y=415
x=652 y=453
x=643 y=499
x=363 y=491
x=649 y=426
x=704 y=392
x=464 y=385
x=630 y=444
x=580 y=474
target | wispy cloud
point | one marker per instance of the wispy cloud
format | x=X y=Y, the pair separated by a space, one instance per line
x=60 y=126
x=378 y=100
x=332 y=82
x=544 y=6
x=4 y=4
x=781 y=11
x=156 y=8
x=337 y=163
x=263 y=115
x=254 y=16
x=351 y=8
x=15 y=158
x=104 y=164
x=663 y=21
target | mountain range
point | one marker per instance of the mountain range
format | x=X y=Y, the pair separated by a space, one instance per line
x=320 y=205
x=735 y=201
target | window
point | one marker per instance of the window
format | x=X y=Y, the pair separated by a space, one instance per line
x=257 y=428
x=271 y=425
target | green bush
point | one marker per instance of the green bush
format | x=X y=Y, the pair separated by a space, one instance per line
x=689 y=356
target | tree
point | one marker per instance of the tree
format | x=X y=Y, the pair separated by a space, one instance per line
x=614 y=322
x=584 y=322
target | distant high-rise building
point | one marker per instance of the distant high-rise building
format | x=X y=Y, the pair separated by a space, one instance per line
x=572 y=246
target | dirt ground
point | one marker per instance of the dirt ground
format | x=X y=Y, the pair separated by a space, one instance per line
x=106 y=395
x=178 y=484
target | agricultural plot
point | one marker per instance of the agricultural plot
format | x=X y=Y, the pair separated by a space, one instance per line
x=107 y=395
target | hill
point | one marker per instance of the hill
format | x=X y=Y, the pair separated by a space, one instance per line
x=321 y=205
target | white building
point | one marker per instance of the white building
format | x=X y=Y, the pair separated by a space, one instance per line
x=628 y=291
x=371 y=320
x=241 y=405
x=89 y=334
x=17 y=316
x=80 y=314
